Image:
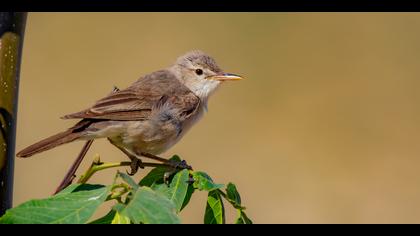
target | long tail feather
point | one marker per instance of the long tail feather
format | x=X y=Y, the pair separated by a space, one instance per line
x=67 y=136
x=48 y=143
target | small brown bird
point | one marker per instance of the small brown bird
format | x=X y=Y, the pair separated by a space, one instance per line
x=151 y=115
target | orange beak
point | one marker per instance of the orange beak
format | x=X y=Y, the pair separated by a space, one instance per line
x=225 y=77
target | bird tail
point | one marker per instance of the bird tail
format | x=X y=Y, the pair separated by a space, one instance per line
x=48 y=143
x=61 y=138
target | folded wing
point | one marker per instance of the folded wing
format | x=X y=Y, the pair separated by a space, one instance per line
x=137 y=101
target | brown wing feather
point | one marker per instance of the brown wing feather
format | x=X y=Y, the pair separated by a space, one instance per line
x=123 y=105
x=137 y=101
x=187 y=103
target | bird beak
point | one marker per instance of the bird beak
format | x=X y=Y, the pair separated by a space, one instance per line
x=225 y=77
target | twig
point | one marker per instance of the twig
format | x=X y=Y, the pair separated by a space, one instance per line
x=69 y=177
x=97 y=165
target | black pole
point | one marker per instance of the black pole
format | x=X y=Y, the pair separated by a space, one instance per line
x=12 y=29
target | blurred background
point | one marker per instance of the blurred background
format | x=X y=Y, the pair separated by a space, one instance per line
x=324 y=129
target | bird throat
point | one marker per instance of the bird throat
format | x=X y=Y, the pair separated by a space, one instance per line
x=202 y=88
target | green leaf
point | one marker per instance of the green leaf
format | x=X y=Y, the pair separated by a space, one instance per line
x=190 y=191
x=156 y=174
x=151 y=207
x=160 y=187
x=243 y=218
x=106 y=219
x=215 y=211
x=178 y=188
x=68 y=189
x=233 y=194
x=113 y=217
x=128 y=180
x=79 y=187
x=119 y=207
x=153 y=176
x=73 y=208
x=120 y=219
x=175 y=158
x=202 y=181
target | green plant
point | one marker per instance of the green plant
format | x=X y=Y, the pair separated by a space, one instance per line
x=157 y=198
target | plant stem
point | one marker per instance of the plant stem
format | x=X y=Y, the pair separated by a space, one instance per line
x=118 y=195
x=12 y=28
x=97 y=165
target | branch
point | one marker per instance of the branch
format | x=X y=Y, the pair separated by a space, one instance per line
x=68 y=178
x=97 y=165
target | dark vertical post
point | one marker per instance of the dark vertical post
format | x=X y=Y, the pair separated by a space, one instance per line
x=12 y=28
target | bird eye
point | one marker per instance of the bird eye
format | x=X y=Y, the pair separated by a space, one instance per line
x=199 y=71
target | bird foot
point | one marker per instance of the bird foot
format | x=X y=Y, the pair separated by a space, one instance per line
x=175 y=166
x=179 y=165
x=135 y=165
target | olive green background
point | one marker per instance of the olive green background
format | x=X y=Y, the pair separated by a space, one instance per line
x=323 y=129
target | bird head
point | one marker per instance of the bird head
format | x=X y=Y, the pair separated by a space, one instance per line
x=200 y=73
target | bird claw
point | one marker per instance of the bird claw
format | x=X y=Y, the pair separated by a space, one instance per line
x=130 y=173
x=135 y=165
x=176 y=165
x=179 y=165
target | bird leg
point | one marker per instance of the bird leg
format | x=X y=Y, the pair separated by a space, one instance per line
x=135 y=162
x=154 y=157
x=174 y=164
x=172 y=167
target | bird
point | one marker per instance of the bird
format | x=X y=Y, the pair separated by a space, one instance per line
x=151 y=115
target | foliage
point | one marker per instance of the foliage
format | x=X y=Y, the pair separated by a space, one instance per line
x=155 y=199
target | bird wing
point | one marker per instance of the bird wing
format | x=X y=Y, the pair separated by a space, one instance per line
x=137 y=101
